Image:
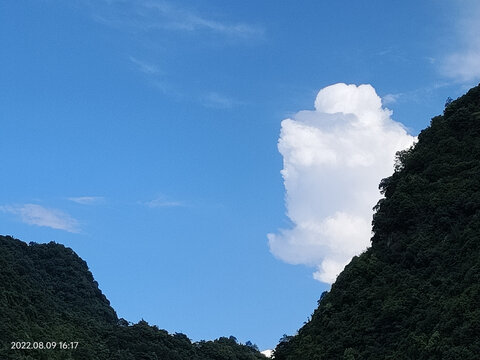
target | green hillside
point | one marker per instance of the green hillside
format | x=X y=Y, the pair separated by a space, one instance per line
x=415 y=293
x=48 y=295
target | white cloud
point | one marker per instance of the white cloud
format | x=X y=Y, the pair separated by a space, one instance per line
x=145 y=67
x=333 y=160
x=163 y=202
x=418 y=95
x=463 y=64
x=267 y=353
x=176 y=18
x=147 y=15
x=87 y=200
x=33 y=214
x=218 y=101
x=390 y=98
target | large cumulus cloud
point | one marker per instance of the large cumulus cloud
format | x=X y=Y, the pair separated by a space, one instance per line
x=333 y=160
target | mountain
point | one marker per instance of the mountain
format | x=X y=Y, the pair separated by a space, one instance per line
x=49 y=298
x=415 y=293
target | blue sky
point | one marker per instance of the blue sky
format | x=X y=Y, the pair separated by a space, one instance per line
x=143 y=134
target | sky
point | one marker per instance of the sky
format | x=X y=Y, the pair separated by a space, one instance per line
x=216 y=163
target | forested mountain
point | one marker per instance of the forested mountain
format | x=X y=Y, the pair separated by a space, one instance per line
x=415 y=293
x=48 y=298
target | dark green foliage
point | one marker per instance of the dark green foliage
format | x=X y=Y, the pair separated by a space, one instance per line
x=415 y=293
x=47 y=294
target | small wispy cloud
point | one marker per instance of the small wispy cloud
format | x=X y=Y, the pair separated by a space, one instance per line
x=392 y=53
x=218 y=101
x=33 y=214
x=173 y=17
x=162 y=202
x=463 y=66
x=463 y=63
x=148 y=15
x=87 y=200
x=390 y=98
x=145 y=67
x=415 y=95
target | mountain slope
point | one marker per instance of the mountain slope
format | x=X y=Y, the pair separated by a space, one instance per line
x=415 y=293
x=47 y=294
